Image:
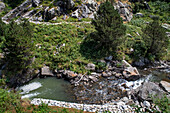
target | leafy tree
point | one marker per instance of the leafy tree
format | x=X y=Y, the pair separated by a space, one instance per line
x=109 y=27
x=18 y=50
x=155 y=38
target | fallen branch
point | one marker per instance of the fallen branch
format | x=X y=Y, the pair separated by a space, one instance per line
x=80 y=78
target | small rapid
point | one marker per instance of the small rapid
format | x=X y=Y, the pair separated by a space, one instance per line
x=49 y=88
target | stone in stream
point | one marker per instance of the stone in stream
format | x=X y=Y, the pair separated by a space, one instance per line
x=165 y=85
x=69 y=74
x=130 y=73
x=90 y=66
x=93 y=78
x=45 y=71
x=148 y=90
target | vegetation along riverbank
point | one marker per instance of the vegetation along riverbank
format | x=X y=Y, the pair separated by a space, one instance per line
x=114 y=54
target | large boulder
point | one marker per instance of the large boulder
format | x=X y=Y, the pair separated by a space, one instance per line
x=130 y=73
x=45 y=71
x=2 y=6
x=149 y=90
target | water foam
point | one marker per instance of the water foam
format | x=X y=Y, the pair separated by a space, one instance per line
x=135 y=84
x=30 y=87
x=30 y=95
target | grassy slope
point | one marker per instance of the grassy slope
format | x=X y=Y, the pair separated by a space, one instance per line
x=49 y=38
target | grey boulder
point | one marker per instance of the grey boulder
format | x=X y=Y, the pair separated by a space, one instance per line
x=45 y=71
x=148 y=91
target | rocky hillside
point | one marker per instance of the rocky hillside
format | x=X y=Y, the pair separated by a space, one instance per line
x=51 y=10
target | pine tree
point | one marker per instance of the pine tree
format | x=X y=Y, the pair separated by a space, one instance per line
x=155 y=38
x=109 y=27
x=18 y=49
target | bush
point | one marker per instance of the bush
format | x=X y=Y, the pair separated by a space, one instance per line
x=9 y=101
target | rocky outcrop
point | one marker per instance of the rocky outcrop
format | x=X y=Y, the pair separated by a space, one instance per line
x=35 y=11
x=86 y=10
x=125 y=11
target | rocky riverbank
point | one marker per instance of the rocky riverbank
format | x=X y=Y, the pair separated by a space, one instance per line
x=119 y=108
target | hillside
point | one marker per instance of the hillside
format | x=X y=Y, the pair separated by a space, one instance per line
x=61 y=39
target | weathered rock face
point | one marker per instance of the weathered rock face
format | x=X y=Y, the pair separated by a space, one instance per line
x=49 y=14
x=77 y=9
x=147 y=90
x=2 y=6
x=86 y=10
x=124 y=10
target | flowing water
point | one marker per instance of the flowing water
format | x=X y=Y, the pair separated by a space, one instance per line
x=48 y=88
x=105 y=89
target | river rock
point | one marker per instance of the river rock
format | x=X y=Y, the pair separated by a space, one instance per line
x=147 y=90
x=90 y=66
x=93 y=78
x=45 y=71
x=147 y=104
x=125 y=99
x=130 y=73
x=165 y=85
x=69 y=74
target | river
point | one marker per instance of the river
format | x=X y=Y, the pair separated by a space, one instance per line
x=61 y=90
x=49 y=88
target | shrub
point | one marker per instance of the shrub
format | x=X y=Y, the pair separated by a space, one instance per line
x=9 y=101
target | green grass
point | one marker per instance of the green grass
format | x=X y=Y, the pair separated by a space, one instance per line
x=47 y=38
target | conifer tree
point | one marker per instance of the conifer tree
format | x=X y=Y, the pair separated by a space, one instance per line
x=109 y=27
x=18 y=49
x=155 y=38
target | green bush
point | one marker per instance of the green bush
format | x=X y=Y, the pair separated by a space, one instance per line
x=9 y=101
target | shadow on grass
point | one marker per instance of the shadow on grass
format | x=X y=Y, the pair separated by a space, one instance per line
x=89 y=49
